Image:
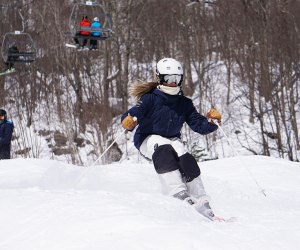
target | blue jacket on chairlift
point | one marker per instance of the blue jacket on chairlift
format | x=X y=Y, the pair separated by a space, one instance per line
x=96 y=25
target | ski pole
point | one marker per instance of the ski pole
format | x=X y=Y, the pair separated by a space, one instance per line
x=135 y=119
x=104 y=152
x=228 y=140
x=84 y=173
x=235 y=154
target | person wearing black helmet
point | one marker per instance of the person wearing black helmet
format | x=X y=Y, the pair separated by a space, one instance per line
x=13 y=56
x=160 y=113
x=6 y=130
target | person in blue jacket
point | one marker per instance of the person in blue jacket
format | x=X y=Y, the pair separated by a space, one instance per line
x=96 y=25
x=6 y=130
x=160 y=113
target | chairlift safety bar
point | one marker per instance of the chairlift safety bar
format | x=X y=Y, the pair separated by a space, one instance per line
x=91 y=29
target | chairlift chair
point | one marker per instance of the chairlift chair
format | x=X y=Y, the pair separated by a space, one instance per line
x=91 y=10
x=18 y=47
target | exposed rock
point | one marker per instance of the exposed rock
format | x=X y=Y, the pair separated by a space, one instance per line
x=23 y=151
x=45 y=132
x=79 y=142
x=62 y=151
x=60 y=139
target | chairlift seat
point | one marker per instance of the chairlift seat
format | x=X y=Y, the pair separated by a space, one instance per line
x=91 y=10
x=104 y=33
x=24 y=51
x=20 y=57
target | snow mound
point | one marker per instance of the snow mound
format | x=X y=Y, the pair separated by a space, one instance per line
x=47 y=204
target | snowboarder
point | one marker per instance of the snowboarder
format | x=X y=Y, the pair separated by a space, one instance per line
x=6 y=130
x=161 y=111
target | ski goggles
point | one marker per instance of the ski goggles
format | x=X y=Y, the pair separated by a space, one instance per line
x=173 y=79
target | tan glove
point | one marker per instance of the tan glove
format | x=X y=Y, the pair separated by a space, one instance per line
x=214 y=114
x=129 y=122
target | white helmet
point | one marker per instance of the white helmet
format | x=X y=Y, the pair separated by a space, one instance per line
x=168 y=66
x=96 y=19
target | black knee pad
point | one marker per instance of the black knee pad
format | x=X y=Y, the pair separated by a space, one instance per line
x=188 y=166
x=165 y=159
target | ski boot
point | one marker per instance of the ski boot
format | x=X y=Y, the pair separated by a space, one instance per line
x=183 y=195
x=204 y=208
x=200 y=205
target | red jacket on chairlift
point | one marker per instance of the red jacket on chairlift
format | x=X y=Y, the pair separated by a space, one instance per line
x=84 y=23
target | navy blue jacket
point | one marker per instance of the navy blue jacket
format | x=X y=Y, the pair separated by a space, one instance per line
x=162 y=114
x=6 y=130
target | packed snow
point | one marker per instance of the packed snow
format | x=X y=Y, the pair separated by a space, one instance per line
x=47 y=204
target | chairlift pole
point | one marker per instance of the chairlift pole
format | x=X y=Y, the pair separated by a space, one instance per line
x=23 y=22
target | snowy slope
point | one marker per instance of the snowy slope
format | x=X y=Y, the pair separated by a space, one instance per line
x=47 y=205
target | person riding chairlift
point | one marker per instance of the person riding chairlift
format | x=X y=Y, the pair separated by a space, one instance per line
x=84 y=23
x=96 y=25
x=12 y=56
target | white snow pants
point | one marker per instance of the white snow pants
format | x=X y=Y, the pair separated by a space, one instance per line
x=152 y=141
x=172 y=182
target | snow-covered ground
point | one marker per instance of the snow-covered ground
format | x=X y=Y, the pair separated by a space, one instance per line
x=46 y=204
